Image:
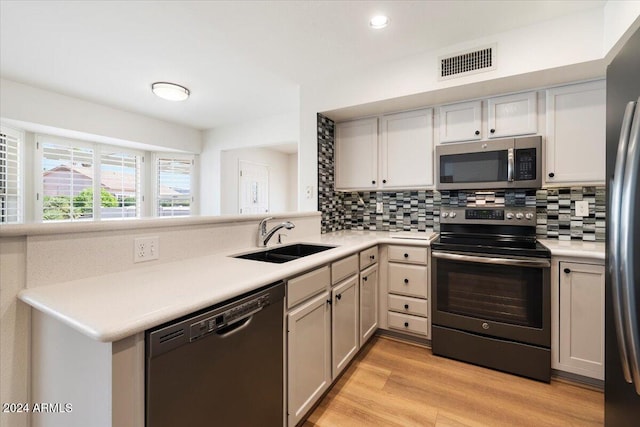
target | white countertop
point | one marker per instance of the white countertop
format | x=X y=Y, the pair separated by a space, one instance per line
x=117 y=305
x=113 y=306
x=575 y=248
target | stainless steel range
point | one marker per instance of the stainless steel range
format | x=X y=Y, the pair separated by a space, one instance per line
x=491 y=300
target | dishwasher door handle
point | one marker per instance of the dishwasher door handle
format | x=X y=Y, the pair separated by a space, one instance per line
x=235 y=327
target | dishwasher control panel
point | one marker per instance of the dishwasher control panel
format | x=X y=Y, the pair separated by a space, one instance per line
x=227 y=317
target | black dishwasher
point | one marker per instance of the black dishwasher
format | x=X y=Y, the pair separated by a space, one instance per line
x=222 y=366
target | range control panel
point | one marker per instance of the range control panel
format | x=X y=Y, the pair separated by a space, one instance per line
x=508 y=215
x=228 y=317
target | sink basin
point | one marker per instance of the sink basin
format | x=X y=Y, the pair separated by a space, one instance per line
x=283 y=254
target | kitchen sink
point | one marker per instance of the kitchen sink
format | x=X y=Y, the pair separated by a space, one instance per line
x=287 y=253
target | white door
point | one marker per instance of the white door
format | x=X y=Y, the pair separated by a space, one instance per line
x=253 y=194
x=344 y=325
x=309 y=355
x=407 y=149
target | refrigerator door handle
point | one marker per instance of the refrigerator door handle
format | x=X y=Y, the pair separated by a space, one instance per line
x=627 y=249
x=614 y=238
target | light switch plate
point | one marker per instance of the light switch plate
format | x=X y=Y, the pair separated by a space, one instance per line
x=379 y=207
x=582 y=208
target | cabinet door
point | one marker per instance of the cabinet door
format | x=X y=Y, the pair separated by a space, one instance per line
x=309 y=355
x=582 y=319
x=461 y=122
x=576 y=124
x=357 y=154
x=407 y=149
x=368 y=303
x=512 y=115
x=344 y=325
x=408 y=280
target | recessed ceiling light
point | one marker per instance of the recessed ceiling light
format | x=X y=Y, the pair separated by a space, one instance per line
x=170 y=91
x=379 y=21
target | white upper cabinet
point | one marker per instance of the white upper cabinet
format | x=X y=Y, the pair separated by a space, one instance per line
x=576 y=125
x=461 y=122
x=356 y=156
x=407 y=149
x=512 y=115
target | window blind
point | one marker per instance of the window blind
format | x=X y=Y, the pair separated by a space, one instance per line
x=174 y=194
x=120 y=185
x=10 y=177
x=67 y=181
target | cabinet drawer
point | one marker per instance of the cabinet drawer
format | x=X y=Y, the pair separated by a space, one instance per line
x=408 y=279
x=409 y=254
x=344 y=268
x=408 y=323
x=368 y=257
x=408 y=305
x=307 y=285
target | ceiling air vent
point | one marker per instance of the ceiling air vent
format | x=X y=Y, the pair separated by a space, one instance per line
x=469 y=62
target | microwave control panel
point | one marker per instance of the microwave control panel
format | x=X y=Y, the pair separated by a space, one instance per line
x=525 y=164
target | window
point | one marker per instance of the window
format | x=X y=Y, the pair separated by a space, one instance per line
x=11 y=210
x=174 y=176
x=83 y=181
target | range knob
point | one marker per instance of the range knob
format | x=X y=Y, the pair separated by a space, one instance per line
x=452 y=215
x=529 y=215
x=519 y=215
x=445 y=214
x=509 y=215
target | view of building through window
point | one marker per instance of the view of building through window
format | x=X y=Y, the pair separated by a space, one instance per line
x=174 y=186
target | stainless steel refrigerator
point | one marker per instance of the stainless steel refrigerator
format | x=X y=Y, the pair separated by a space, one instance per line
x=622 y=340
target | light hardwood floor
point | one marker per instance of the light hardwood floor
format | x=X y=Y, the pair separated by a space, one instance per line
x=392 y=383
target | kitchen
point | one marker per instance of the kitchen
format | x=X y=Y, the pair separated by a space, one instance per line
x=48 y=254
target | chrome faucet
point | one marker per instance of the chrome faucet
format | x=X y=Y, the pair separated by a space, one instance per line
x=264 y=235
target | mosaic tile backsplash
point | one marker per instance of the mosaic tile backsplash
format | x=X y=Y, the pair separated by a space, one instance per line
x=419 y=210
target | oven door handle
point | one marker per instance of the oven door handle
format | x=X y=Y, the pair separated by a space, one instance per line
x=537 y=263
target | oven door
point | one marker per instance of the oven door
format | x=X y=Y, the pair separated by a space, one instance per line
x=503 y=297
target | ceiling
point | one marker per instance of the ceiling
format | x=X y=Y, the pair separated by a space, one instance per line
x=242 y=60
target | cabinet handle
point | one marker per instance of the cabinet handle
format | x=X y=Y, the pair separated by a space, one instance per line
x=551 y=174
x=477 y=132
x=406 y=306
x=406 y=255
x=364 y=278
x=492 y=131
x=567 y=270
x=372 y=257
x=329 y=301
x=384 y=181
x=406 y=281
x=406 y=324
x=373 y=181
x=339 y=297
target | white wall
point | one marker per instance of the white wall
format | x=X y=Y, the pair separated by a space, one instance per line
x=49 y=112
x=280 y=176
x=274 y=130
x=292 y=189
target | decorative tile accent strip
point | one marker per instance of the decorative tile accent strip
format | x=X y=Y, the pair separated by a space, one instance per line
x=419 y=210
x=330 y=202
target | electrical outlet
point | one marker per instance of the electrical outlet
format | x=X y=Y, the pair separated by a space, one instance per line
x=379 y=207
x=146 y=249
x=309 y=191
x=582 y=208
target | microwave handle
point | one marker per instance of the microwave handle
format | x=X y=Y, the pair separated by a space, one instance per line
x=510 y=165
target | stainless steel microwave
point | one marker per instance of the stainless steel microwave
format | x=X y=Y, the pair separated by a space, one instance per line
x=496 y=164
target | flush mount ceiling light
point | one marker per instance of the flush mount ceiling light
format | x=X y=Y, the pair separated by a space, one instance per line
x=170 y=91
x=378 y=22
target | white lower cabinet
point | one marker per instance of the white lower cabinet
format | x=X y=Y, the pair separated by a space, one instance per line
x=309 y=355
x=344 y=323
x=580 y=319
x=408 y=288
x=368 y=303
